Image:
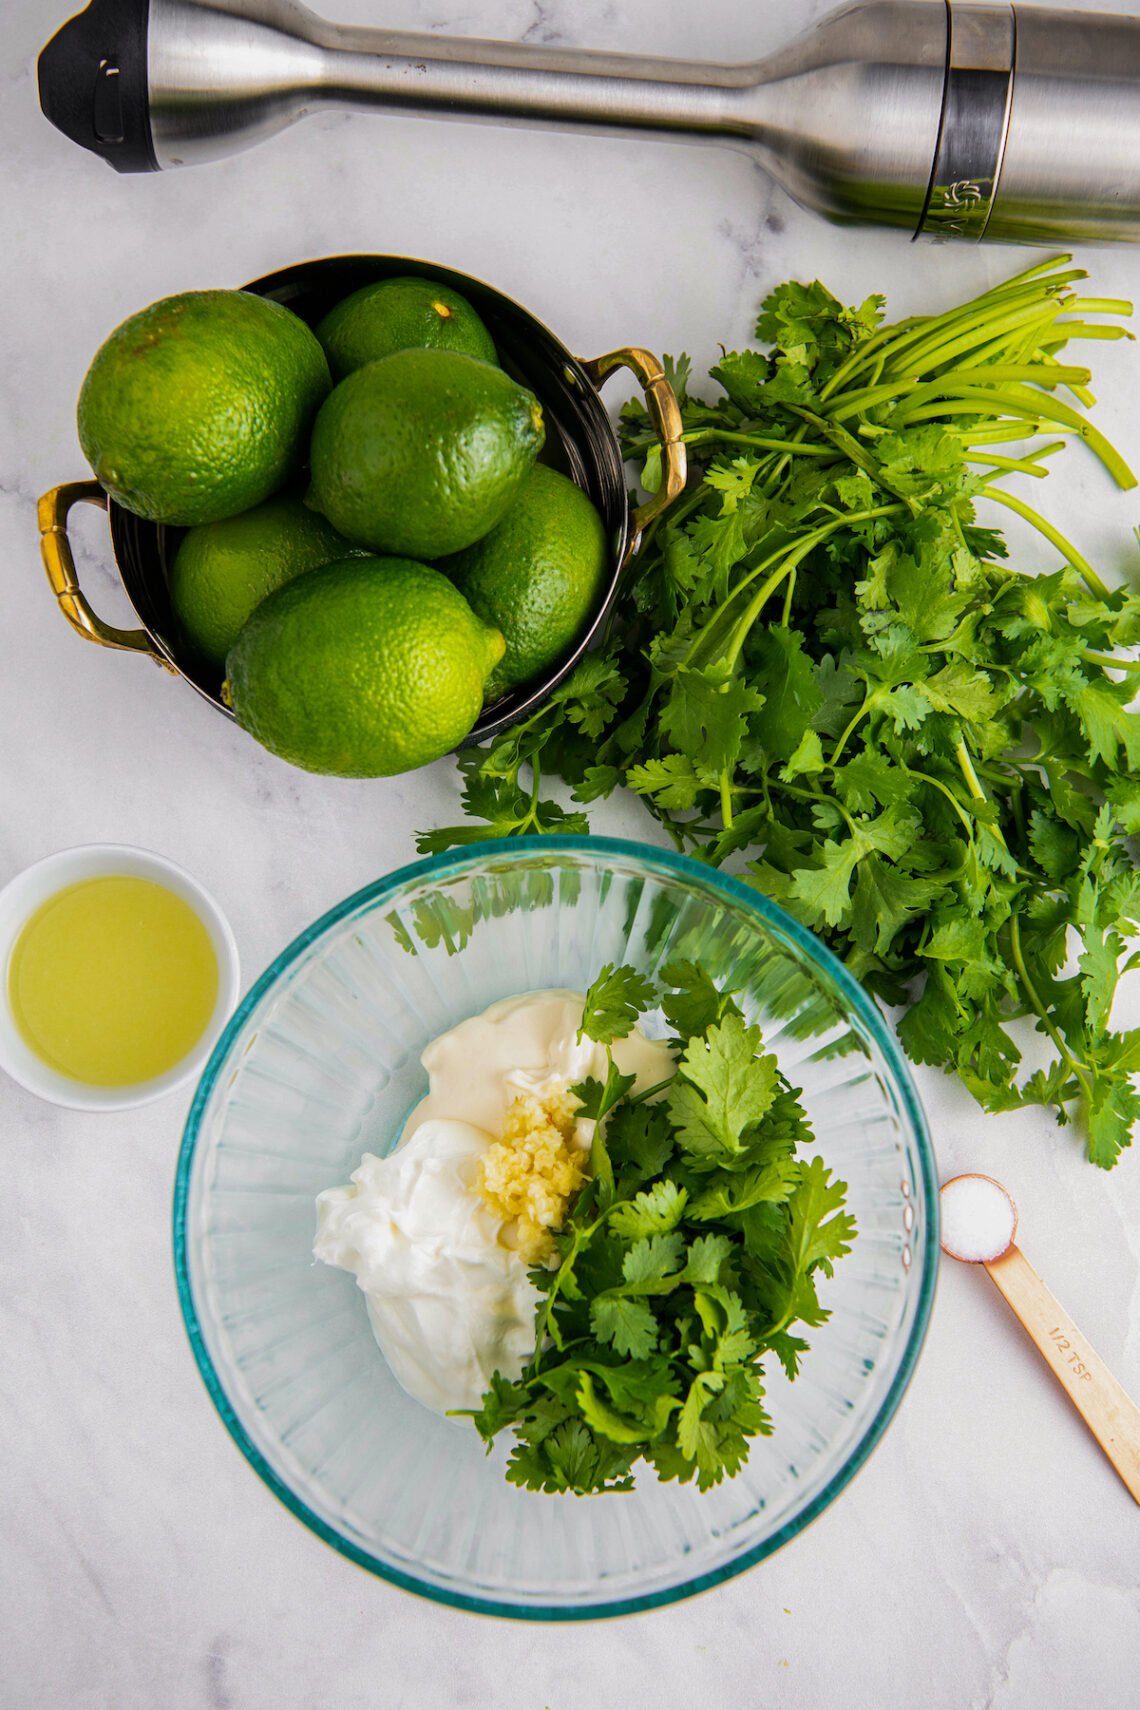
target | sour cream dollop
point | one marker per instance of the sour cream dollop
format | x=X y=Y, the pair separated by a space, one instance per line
x=449 y=1299
x=448 y=1303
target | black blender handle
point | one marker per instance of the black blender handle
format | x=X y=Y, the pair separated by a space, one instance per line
x=93 y=83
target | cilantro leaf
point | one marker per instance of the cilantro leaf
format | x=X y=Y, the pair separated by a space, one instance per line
x=640 y=1141
x=653 y=1260
x=824 y=890
x=673 y=781
x=723 y=1087
x=705 y=716
x=821 y=1230
x=768 y=1183
x=706 y=1258
x=792 y=695
x=569 y=1458
x=655 y=1211
x=613 y=1003
x=626 y=1324
x=605 y=1421
x=695 y=1002
x=598 y=1098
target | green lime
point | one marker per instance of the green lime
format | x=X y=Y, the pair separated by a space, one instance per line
x=223 y=570
x=199 y=407
x=537 y=576
x=422 y=452
x=401 y=314
x=361 y=669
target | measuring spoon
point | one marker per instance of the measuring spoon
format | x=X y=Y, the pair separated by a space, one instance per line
x=979 y=1222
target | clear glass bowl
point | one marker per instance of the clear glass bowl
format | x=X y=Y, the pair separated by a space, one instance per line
x=321 y=1063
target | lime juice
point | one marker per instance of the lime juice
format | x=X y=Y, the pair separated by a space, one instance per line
x=112 y=981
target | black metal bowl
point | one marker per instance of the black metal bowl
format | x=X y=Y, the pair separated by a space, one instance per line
x=580 y=441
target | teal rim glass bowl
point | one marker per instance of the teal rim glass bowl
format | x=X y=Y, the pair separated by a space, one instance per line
x=321 y=1064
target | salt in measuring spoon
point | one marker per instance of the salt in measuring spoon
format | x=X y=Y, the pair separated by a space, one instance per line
x=979 y=1222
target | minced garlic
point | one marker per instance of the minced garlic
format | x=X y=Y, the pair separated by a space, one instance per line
x=530 y=1174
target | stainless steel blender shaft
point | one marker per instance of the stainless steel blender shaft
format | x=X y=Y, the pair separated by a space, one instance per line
x=807 y=112
x=945 y=117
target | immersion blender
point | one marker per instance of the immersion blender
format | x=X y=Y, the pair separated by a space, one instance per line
x=947 y=118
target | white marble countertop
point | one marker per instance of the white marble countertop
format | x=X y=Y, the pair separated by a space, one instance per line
x=987 y=1555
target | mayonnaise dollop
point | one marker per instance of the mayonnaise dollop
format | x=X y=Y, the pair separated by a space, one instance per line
x=526 y=1044
x=449 y=1298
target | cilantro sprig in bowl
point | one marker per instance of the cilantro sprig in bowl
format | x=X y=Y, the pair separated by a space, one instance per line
x=783 y=1193
x=691 y=1253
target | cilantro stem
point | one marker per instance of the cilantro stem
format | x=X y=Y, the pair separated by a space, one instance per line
x=1103 y=306
x=532 y=816
x=789 y=590
x=710 y=631
x=716 y=436
x=811 y=796
x=937 y=784
x=868 y=705
x=984 y=331
x=1061 y=259
x=1006 y=430
x=1083 y=329
x=956 y=524
x=641 y=1097
x=1080 y=392
x=847 y=444
x=798 y=553
x=1013 y=400
x=1039 y=342
x=782 y=461
x=1017 y=802
x=726 y=799
x=1038 y=454
x=681 y=508
x=966 y=765
x=964 y=407
x=675 y=831
x=740 y=633
x=1079 y=563
x=1108 y=663
x=1079 y=1070
x=544 y=1324
x=965 y=382
x=890 y=342
x=974 y=784
x=1016 y=465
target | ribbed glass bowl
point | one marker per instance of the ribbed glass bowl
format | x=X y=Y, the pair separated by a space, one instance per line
x=321 y=1063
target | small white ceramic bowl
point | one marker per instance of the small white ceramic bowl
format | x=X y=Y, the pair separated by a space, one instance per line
x=19 y=900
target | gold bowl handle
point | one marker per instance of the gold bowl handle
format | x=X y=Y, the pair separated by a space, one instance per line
x=51 y=514
x=664 y=413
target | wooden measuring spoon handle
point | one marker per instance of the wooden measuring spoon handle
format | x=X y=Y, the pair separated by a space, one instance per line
x=1106 y=1408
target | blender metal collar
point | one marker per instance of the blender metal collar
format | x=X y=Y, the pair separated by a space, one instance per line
x=981 y=53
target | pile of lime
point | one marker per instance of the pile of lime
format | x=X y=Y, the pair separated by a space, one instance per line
x=373 y=552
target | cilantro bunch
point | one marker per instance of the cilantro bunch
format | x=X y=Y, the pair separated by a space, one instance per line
x=826 y=670
x=689 y=1254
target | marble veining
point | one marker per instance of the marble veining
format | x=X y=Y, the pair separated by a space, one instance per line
x=986 y=1558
